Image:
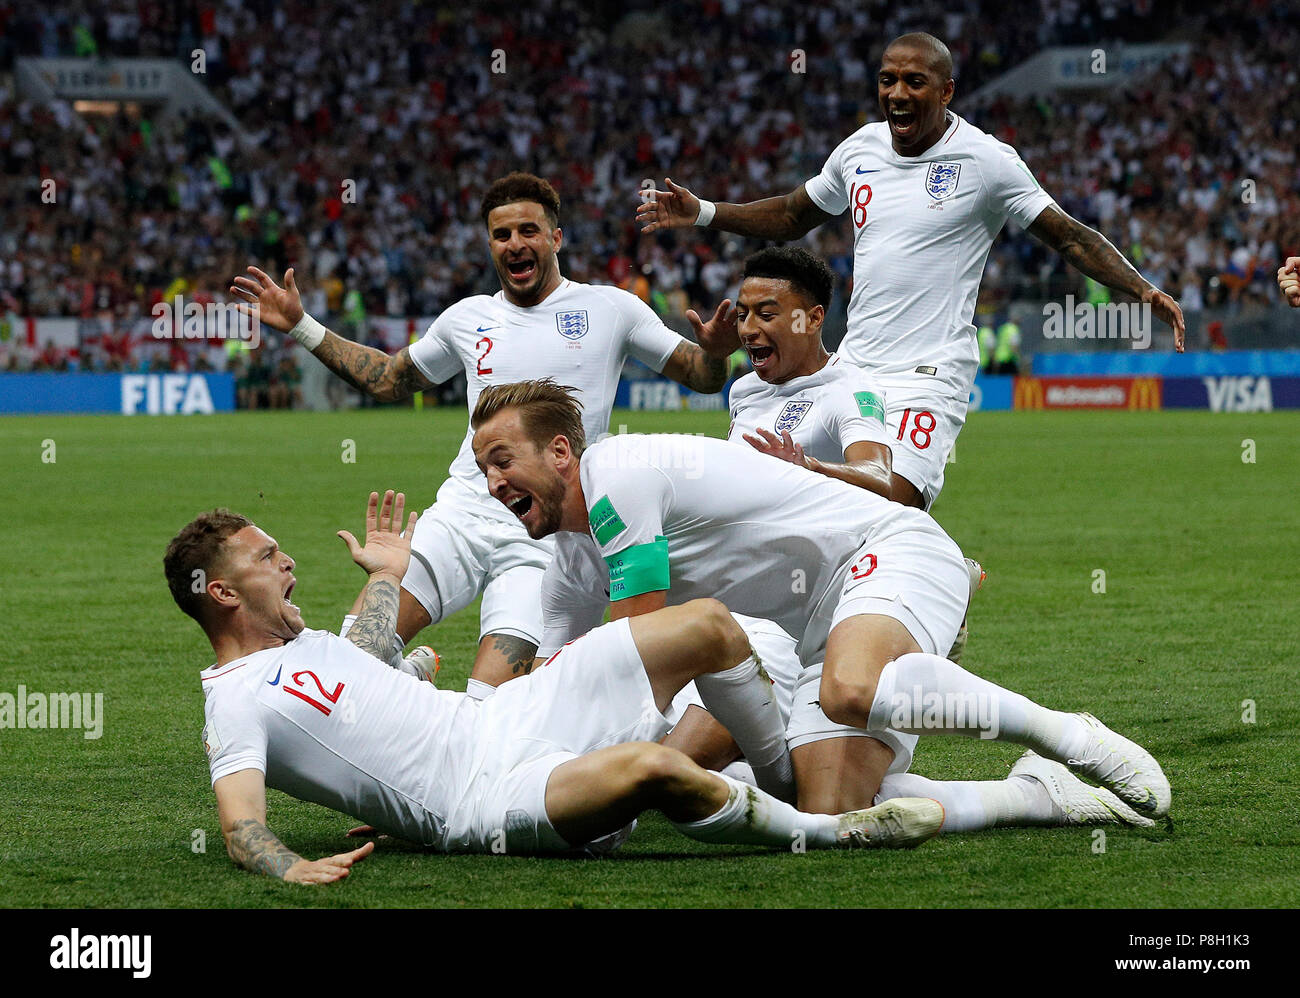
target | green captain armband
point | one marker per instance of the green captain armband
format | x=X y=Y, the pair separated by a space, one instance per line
x=642 y=568
x=869 y=405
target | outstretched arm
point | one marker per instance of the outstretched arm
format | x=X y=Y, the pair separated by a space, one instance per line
x=867 y=465
x=385 y=558
x=382 y=376
x=241 y=805
x=789 y=216
x=1092 y=253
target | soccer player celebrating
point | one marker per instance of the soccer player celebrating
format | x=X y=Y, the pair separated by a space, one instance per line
x=553 y=761
x=872 y=589
x=928 y=193
x=538 y=324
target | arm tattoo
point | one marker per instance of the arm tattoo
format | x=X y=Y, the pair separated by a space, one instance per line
x=377 y=374
x=377 y=620
x=1088 y=251
x=703 y=373
x=253 y=846
x=518 y=653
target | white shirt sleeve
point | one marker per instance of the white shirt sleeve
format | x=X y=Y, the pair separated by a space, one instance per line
x=233 y=735
x=434 y=353
x=626 y=500
x=827 y=190
x=568 y=610
x=647 y=338
x=1013 y=191
x=857 y=414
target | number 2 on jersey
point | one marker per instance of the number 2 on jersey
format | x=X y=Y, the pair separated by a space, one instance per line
x=483 y=355
x=920 y=431
x=331 y=697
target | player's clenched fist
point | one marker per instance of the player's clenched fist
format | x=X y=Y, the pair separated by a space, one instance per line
x=1288 y=279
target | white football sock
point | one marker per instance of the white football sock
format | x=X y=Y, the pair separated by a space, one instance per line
x=742 y=701
x=970 y=805
x=479 y=690
x=752 y=817
x=741 y=771
x=928 y=695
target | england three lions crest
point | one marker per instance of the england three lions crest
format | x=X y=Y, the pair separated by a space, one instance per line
x=941 y=180
x=572 y=325
x=791 y=416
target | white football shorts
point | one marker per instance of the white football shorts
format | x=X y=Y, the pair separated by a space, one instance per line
x=459 y=552
x=594 y=693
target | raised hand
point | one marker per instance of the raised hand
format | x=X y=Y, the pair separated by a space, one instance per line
x=278 y=307
x=388 y=547
x=674 y=208
x=717 y=337
x=783 y=446
x=327 y=870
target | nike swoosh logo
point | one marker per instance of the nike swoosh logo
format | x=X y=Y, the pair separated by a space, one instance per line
x=484 y=329
x=860 y=170
x=276 y=680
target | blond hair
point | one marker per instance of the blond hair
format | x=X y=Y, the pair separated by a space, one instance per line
x=546 y=410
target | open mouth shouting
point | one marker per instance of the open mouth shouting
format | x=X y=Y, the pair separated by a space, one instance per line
x=521 y=505
x=523 y=269
x=287 y=602
x=760 y=357
x=902 y=121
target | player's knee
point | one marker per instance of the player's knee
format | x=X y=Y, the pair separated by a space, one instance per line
x=717 y=630
x=847 y=701
x=656 y=770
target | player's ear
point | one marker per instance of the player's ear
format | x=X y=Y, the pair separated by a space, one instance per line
x=557 y=238
x=223 y=593
x=560 y=449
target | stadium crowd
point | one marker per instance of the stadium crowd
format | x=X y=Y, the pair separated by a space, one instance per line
x=361 y=164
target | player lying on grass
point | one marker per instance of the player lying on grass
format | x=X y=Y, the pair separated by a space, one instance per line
x=928 y=193
x=871 y=588
x=538 y=324
x=552 y=761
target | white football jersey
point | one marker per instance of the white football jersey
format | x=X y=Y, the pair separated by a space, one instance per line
x=306 y=714
x=702 y=517
x=922 y=228
x=575 y=591
x=580 y=336
x=824 y=412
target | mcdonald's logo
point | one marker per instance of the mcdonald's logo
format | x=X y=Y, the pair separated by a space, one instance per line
x=1028 y=393
x=1144 y=393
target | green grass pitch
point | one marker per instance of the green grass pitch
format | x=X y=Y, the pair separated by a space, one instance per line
x=1192 y=649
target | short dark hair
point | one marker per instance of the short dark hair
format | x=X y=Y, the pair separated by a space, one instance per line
x=198 y=549
x=937 y=53
x=806 y=272
x=522 y=187
x=546 y=410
